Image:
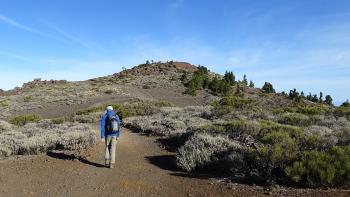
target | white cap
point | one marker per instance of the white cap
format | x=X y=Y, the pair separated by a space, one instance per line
x=109 y=108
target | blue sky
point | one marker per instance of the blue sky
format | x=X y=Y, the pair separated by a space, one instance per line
x=303 y=44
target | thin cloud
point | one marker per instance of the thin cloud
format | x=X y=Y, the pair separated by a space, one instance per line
x=68 y=35
x=71 y=37
x=18 y=25
x=15 y=56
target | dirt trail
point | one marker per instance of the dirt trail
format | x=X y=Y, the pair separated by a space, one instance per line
x=142 y=169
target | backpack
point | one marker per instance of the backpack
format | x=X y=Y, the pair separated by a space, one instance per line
x=111 y=124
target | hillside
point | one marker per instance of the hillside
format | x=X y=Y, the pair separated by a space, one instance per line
x=157 y=81
x=210 y=125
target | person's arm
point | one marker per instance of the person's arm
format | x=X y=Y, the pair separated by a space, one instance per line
x=119 y=121
x=102 y=128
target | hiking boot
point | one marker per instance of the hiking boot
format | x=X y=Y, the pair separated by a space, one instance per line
x=106 y=162
x=111 y=165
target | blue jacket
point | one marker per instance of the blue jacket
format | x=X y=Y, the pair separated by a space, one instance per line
x=102 y=125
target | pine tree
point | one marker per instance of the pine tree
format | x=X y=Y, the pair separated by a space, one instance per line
x=214 y=85
x=226 y=88
x=251 y=84
x=329 y=100
x=309 y=96
x=294 y=94
x=229 y=77
x=320 y=99
x=268 y=88
x=345 y=104
x=245 y=80
x=314 y=98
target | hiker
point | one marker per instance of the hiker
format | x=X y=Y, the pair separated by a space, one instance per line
x=110 y=129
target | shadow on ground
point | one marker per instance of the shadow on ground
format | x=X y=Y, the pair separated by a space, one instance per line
x=168 y=162
x=165 y=162
x=72 y=157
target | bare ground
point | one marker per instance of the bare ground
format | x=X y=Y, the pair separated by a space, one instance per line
x=142 y=169
x=174 y=96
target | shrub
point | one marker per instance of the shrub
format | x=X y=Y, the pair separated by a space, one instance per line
x=270 y=126
x=228 y=104
x=128 y=109
x=27 y=98
x=312 y=110
x=322 y=168
x=109 y=91
x=22 y=120
x=199 y=150
x=342 y=112
x=88 y=118
x=319 y=138
x=44 y=136
x=307 y=110
x=58 y=120
x=4 y=126
x=170 y=120
x=296 y=119
x=283 y=147
x=240 y=126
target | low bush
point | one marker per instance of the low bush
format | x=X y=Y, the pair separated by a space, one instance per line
x=22 y=120
x=296 y=119
x=200 y=150
x=283 y=148
x=342 y=112
x=279 y=148
x=27 y=98
x=270 y=126
x=43 y=136
x=128 y=109
x=5 y=126
x=238 y=127
x=319 y=138
x=307 y=110
x=58 y=120
x=228 y=104
x=88 y=118
x=322 y=168
x=109 y=91
x=312 y=110
x=169 y=121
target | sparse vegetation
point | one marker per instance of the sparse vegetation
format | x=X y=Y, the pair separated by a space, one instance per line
x=248 y=132
x=43 y=136
x=22 y=120
x=283 y=147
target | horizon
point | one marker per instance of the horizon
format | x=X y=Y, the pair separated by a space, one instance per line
x=302 y=45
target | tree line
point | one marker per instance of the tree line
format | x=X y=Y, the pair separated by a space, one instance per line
x=223 y=86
